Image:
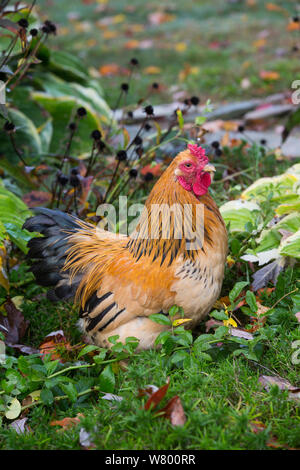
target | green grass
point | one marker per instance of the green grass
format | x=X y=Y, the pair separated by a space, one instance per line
x=221 y=398
x=220 y=41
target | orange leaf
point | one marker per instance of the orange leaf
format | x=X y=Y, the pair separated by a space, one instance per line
x=108 y=34
x=269 y=75
x=67 y=423
x=53 y=344
x=133 y=44
x=155 y=170
x=293 y=26
x=259 y=43
x=109 y=69
x=273 y=7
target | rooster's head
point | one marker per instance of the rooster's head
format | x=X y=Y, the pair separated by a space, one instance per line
x=193 y=170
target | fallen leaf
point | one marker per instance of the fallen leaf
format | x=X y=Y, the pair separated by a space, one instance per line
x=229 y=322
x=268 y=381
x=14 y=323
x=67 y=423
x=108 y=34
x=293 y=26
x=180 y=46
x=181 y=321
x=109 y=69
x=157 y=396
x=259 y=43
x=211 y=324
x=149 y=390
x=174 y=412
x=239 y=333
x=132 y=44
x=269 y=75
x=13 y=409
x=36 y=198
x=85 y=439
x=111 y=397
x=273 y=7
x=4 y=281
x=19 y=425
x=156 y=170
x=54 y=344
x=152 y=70
x=159 y=17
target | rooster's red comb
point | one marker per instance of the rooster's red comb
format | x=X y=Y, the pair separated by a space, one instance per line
x=198 y=152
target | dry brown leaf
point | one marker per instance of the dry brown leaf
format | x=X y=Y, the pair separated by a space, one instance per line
x=268 y=381
x=36 y=198
x=157 y=396
x=174 y=411
x=54 y=344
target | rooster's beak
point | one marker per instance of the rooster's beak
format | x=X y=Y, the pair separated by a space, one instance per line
x=209 y=168
x=178 y=172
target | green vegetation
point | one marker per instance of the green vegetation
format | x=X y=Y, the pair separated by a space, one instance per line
x=61 y=147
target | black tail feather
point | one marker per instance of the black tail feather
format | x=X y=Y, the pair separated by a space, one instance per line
x=48 y=253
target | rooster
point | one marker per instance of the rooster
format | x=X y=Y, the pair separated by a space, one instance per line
x=119 y=281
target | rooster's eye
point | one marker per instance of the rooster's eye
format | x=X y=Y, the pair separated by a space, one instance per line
x=188 y=165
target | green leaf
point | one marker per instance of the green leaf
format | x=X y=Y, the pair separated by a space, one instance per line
x=237 y=289
x=204 y=356
x=70 y=390
x=239 y=213
x=200 y=120
x=47 y=396
x=162 y=337
x=87 y=349
x=173 y=310
x=107 y=380
x=291 y=246
x=251 y=301
x=67 y=66
x=160 y=319
x=179 y=356
x=221 y=332
x=219 y=315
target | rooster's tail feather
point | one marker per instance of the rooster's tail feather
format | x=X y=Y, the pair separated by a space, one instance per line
x=50 y=251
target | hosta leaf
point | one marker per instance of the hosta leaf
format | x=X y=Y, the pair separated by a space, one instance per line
x=26 y=137
x=239 y=213
x=62 y=110
x=291 y=246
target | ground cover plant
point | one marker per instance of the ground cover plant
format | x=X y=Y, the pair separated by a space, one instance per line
x=233 y=383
